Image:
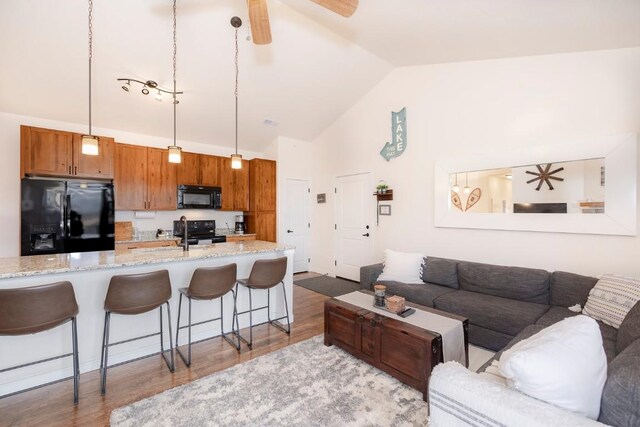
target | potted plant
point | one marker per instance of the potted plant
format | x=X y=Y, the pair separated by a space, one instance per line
x=382 y=187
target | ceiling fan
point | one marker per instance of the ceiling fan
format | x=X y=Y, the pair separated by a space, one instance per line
x=259 y=15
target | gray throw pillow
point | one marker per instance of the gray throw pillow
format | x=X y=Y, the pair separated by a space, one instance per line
x=440 y=271
x=629 y=330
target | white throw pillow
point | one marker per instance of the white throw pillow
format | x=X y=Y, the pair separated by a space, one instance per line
x=564 y=365
x=402 y=266
x=611 y=299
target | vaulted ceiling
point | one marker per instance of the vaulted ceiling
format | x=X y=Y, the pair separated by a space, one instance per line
x=318 y=65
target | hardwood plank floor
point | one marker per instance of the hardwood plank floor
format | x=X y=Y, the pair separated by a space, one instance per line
x=53 y=405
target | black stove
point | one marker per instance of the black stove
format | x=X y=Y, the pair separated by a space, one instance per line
x=198 y=231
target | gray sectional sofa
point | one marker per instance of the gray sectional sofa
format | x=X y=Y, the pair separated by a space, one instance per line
x=507 y=304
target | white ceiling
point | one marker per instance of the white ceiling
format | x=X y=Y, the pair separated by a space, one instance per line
x=318 y=65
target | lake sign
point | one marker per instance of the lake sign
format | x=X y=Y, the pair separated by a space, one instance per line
x=398 y=136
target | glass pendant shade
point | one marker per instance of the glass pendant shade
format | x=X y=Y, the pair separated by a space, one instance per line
x=90 y=145
x=236 y=161
x=456 y=188
x=466 y=190
x=175 y=154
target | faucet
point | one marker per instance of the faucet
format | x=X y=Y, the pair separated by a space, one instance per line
x=185 y=234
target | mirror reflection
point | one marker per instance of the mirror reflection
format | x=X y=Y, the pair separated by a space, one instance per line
x=552 y=188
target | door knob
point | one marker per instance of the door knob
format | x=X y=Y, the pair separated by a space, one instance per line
x=366 y=234
x=289 y=231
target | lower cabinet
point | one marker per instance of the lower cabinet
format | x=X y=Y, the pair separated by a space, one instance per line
x=240 y=237
x=146 y=244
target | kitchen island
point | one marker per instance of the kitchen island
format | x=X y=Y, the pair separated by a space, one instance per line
x=90 y=273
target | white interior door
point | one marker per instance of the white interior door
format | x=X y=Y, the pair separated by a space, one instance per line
x=353 y=224
x=296 y=223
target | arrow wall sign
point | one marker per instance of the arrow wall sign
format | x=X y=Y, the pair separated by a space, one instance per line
x=398 y=136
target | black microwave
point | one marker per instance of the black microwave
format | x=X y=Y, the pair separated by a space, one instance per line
x=199 y=197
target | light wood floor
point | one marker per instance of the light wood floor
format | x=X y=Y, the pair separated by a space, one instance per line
x=53 y=405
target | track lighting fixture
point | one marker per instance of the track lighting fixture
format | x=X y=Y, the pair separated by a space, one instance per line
x=456 y=187
x=146 y=85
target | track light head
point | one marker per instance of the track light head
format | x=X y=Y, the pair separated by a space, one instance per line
x=126 y=86
x=145 y=91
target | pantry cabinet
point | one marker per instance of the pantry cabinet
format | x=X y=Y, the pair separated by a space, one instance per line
x=235 y=186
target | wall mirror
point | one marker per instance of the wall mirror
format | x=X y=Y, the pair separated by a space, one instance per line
x=586 y=187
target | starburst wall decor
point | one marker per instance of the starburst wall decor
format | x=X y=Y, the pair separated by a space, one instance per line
x=545 y=175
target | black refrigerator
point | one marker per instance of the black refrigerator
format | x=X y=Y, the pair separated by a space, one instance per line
x=66 y=216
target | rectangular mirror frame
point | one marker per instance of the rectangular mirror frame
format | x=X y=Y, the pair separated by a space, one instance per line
x=620 y=153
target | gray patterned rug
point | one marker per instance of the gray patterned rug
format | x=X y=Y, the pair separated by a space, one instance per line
x=305 y=384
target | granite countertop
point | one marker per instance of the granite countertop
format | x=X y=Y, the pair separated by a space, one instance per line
x=149 y=239
x=63 y=263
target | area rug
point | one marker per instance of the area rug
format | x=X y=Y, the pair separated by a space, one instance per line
x=305 y=384
x=330 y=286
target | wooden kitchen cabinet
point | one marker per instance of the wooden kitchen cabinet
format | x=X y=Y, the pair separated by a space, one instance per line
x=161 y=181
x=210 y=170
x=240 y=237
x=261 y=218
x=144 y=179
x=51 y=152
x=188 y=171
x=130 y=181
x=235 y=186
x=198 y=169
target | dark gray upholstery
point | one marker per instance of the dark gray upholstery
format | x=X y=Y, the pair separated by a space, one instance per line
x=568 y=289
x=524 y=284
x=420 y=293
x=441 y=271
x=369 y=274
x=487 y=338
x=620 y=405
x=498 y=314
x=523 y=335
x=609 y=337
x=629 y=330
x=554 y=315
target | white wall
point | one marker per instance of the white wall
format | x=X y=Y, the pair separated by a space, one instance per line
x=10 y=175
x=462 y=109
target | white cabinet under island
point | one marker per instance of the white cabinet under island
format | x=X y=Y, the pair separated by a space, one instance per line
x=90 y=273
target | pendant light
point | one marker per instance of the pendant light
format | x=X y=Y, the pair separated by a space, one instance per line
x=89 y=143
x=236 y=159
x=175 y=152
x=466 y=188
x=456 y=187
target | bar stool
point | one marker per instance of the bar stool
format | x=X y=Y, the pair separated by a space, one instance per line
x=136 y=294
x=208 y=284
x=265 y=274
x=35 y=309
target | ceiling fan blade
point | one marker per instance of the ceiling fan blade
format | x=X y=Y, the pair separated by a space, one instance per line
x=345 y=8
x=259 y=19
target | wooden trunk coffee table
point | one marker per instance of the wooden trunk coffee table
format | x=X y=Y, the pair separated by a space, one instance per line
x=405 y=351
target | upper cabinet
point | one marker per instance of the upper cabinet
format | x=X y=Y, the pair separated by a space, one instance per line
x=144 y=179
x=57 y=153
x=198 y=169
x=235 y=186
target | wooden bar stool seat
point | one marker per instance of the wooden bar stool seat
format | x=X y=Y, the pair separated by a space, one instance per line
x=265 y=274
x=26 y=311
x=136 y=294
x=208 y=284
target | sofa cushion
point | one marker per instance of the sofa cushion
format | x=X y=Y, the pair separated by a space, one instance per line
x=611 y=299
x=402 y=266
x=620 y=404
x=568 y=289
x=441 y=271
x=524 y=334
x=499 y=314
x=563 y=364
x=422 y=293
x=524 y=284
x=629 y=330
x=554 y=315
x=488 y=338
